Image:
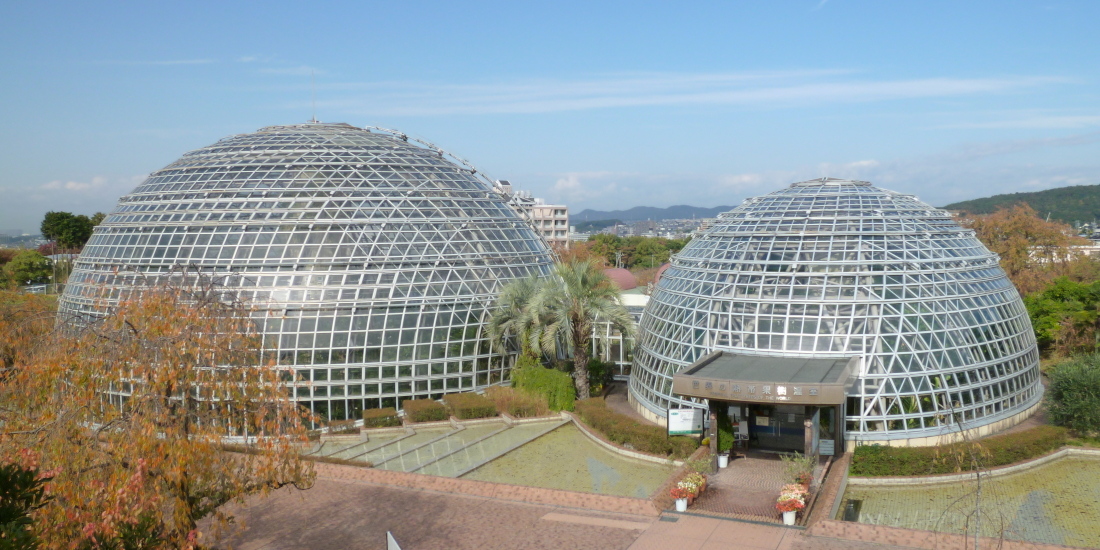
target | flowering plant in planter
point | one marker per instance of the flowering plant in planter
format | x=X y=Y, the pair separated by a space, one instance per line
x=790 y=505
x=679 y=493
x=791 y=499
x=804 y=478
x=696 y=479
x=689 y=486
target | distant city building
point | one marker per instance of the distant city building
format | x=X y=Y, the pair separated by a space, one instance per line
x=550 y=220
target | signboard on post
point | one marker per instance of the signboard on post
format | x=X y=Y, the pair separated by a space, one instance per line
x=685 y=422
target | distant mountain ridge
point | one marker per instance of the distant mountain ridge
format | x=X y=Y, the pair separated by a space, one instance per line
x=1066 y=204
x=642 y=213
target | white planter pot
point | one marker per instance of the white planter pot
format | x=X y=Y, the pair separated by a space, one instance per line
x=723 y=460
x=681 y=505
x=788 y=518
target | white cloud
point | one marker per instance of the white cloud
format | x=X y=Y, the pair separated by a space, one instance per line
x=950 y=176
x=95 y=183
x=302 y=70
x=587 y=186
x=1034 y=122
x=163 y=62
x=775 y=88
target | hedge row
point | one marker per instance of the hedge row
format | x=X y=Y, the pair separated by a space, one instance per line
x=554 y=385
x=518 y=403
x=424 y=410
x=381 y=418
x=628 y=432
x=999 y=450
x=470 y=405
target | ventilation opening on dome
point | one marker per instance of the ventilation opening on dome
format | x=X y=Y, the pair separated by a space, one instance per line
x=829 y=181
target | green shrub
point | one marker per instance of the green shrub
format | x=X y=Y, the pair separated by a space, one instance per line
x=424 y=410
x=466 y=406
x=600 y=375
x=518 y=403
x=1073 y=399
x=555 y=385
x=626 y=431
x=381 y=418
x=999 y=450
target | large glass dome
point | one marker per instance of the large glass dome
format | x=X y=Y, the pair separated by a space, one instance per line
x=834 y=268
x=371 y=260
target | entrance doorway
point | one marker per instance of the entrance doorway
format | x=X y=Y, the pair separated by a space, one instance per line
x=779 y=428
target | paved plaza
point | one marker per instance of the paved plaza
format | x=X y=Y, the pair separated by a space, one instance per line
x=338 y=514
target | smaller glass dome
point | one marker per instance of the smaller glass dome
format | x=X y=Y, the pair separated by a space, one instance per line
x=840 y=268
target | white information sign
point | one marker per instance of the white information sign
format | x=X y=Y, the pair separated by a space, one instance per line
x=826 y=447
x=685 y=422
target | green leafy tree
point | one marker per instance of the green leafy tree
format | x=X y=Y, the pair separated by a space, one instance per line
x=51 y=224
x=1073 y=400
x=1064 y=316
x=97 y=218
x=565 y=309
x=28 y=267
x=22 y=491
x=67 y=230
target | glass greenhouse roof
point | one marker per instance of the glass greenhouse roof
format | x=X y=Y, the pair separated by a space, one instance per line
x=371 y=260
x=835 y=268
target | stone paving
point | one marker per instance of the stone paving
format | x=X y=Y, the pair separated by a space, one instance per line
x=347 y=514
x=340 y=515
x=747 y=489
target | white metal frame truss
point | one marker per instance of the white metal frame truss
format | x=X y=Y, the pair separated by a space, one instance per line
x=837 y=268
x=372 y=261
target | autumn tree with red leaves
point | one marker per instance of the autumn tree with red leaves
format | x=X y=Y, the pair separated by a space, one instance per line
x=131 y=415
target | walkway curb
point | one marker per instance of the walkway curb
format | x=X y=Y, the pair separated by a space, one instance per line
x=486 y=489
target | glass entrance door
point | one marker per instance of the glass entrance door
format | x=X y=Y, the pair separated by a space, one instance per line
x=778 y=427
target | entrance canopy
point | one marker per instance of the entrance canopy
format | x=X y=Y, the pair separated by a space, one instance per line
x=727 y=376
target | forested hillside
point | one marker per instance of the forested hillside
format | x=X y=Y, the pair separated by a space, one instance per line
x=1068 y=204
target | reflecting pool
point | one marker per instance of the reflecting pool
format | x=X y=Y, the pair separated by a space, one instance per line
x=1055 y=503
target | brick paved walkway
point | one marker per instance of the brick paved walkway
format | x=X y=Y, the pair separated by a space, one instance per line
x=617 y=401
x=747 y=489
x=356 y=515
x=341 y=515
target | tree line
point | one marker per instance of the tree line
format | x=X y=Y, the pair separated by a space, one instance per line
x=1060 y=286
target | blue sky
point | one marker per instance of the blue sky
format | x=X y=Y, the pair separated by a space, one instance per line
x=599 y=105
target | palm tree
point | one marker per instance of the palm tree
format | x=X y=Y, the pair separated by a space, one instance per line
x=510 y=318
x=562 y=312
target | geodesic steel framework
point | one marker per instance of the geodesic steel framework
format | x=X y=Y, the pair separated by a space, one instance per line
x=371 y=261
x=834 y=268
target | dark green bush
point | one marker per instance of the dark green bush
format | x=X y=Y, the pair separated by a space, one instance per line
x=1073 y=399
x=470 y=405
x=424 y=410
x=999 y=450
x=381 y=418
x=555 y=385
x=600 y=375
x=626 y=431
